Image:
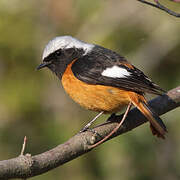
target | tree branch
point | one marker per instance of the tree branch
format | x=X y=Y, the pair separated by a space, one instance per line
x=26 y=166
x=160 y=6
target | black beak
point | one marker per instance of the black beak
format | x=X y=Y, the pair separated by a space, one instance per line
x=43 y=65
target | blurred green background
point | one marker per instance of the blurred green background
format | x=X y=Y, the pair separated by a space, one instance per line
x=33 y=103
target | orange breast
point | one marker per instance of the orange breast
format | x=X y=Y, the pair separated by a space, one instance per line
x=94 y=97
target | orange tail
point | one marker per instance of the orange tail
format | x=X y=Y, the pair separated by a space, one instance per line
x=157 y=126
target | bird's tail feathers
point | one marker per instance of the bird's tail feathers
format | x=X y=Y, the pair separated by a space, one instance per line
x=157 y=126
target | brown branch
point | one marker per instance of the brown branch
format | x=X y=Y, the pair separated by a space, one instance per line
x=26 y=166
x=161 y=7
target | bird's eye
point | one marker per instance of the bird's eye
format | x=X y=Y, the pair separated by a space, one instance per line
x=58 y=53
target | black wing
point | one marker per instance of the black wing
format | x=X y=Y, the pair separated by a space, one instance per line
x=89 y=69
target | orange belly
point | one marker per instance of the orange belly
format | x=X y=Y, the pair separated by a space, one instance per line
x=94 y=97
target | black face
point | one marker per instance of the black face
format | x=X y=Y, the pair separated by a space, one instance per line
x=58 y=60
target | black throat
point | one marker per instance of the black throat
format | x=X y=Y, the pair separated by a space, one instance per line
x=61 y=58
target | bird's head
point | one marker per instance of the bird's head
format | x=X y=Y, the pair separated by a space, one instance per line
x=61 y=51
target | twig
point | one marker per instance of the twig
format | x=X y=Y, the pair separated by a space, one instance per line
x=29 y=166
x=160 y=6
x=23 y=146
x=173 y=0
x=115 y=129
x=23 y=149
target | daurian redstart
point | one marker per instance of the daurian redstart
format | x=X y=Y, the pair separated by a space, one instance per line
x=100 y=79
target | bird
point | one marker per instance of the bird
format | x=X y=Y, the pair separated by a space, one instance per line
x=100 y=79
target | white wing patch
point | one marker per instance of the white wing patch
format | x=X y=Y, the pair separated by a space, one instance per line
x=116 y=72
x=65 y=42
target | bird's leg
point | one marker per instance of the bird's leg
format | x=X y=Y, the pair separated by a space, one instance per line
x=86 y=127
x=115 y=129
x=111 y=118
